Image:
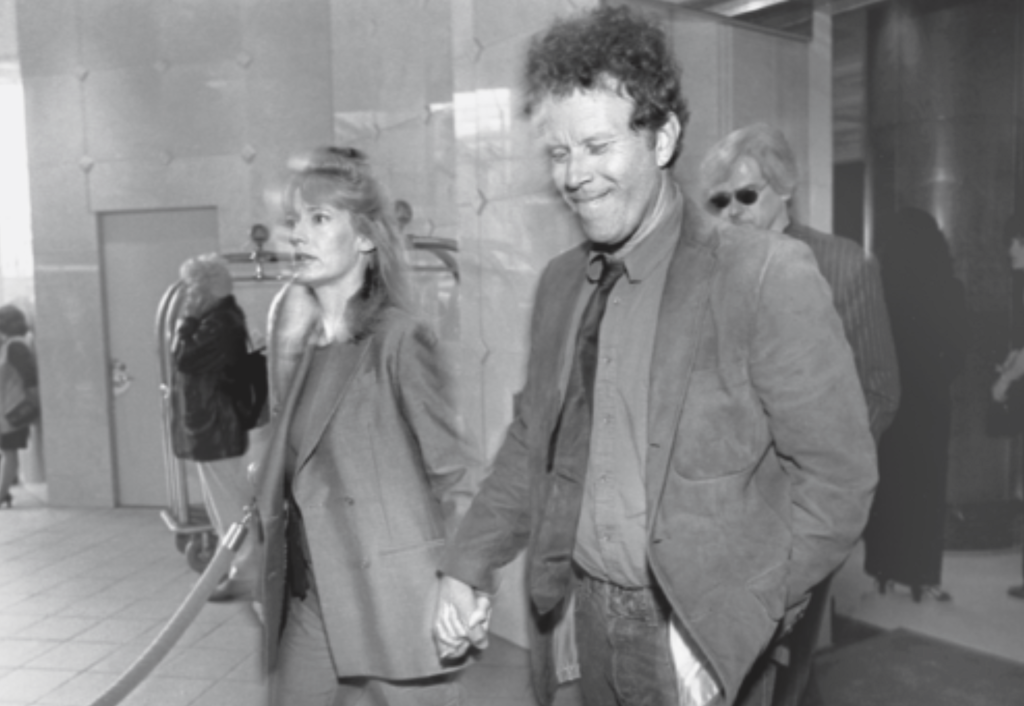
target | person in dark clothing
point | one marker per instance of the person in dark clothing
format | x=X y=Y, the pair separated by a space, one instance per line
x=904 y=536
x=1011 y=370
x=210 y=341
x=18 y=382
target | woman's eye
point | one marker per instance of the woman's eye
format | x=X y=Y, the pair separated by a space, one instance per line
x=320 y=218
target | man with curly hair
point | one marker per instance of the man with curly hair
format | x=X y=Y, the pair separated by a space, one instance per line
x=690 y=453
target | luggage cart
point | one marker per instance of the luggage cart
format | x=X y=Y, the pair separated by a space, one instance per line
x=194 y=535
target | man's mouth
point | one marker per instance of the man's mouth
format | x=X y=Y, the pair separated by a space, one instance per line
x=581 y=201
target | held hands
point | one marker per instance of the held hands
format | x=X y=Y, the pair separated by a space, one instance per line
x=461 y=620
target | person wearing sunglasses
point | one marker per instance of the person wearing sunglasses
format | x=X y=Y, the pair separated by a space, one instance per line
x=749 y=178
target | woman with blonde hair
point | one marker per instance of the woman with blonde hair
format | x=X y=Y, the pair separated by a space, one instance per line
x=367 y=470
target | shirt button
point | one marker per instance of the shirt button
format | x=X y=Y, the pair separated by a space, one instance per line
x=349 y=501
x=607 y=360
x=366 y=563
x=616 y=301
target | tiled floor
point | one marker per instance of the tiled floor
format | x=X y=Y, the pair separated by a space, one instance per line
x=83 y=592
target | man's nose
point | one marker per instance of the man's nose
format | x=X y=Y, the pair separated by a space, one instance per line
x=577 y=172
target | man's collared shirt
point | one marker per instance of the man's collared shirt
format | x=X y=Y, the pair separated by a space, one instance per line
x=611 y=537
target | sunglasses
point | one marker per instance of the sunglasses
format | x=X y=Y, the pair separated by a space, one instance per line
x=747 y=196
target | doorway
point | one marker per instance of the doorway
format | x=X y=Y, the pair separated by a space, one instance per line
x=141 y=252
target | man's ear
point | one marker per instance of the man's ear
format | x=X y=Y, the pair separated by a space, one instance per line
x=665 y=140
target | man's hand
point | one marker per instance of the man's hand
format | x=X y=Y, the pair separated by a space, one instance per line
x=461 y=619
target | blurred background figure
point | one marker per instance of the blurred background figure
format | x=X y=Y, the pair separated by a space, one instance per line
x=368 y=470
x=19 y=395
x=750 y=178
x=210 y=342
x=1012 y=369
x=905 y=534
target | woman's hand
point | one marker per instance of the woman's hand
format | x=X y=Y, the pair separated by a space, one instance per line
x=1011 y=359
x=1009 y=371
x=1000 y=390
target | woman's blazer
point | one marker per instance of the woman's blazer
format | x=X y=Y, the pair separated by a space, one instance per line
x=382 y=478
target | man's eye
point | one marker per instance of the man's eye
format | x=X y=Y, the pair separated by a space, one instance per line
x=598 y=147
x=558 y=156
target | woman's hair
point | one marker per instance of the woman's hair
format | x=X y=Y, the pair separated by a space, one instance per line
x=210 y=273
x=765 y=145
x=609 y=48
x=12 y=321
x=341 y=178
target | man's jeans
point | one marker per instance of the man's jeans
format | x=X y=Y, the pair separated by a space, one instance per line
x=623 y=645
x=622 y=640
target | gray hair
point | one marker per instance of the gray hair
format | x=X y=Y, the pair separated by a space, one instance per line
x=210 y=273
x=765 y=145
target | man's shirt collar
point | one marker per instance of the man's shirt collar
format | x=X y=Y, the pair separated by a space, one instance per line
x=655 y=241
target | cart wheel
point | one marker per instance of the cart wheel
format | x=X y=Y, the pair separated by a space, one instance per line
x=200 y=550
x=181 y=542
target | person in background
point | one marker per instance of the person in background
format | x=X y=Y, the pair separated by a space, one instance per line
x=19 y=383
x=690 y=453
x=210 y=341
x=750 y=177
x=1012 y=369
x=904 y=537
x=368 y=469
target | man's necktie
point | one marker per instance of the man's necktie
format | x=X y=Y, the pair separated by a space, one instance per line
x=551 y=560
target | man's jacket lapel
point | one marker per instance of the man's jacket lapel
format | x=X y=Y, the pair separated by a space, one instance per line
x=680 y=321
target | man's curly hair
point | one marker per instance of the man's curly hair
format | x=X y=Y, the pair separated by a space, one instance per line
x=609 y=43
